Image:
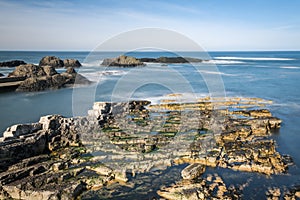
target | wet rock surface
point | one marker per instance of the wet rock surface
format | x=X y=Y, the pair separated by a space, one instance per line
x=65 y=158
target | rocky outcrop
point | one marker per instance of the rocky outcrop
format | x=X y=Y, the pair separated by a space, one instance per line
x=51 y=61
x=122 y=61
x=13 y=63
x=211 y=187
x=171 y=60
x=128 y=61
x=28 y=71
x=71 y=63
x=42 y=78
x=53 y=156
x=58 y=63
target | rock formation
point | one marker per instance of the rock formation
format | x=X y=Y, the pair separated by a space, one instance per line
x=71 y=63
x=58 y=63
x=13 y=63
x=52 y=159
x=128 y=61
x=122 y=61
x=171 y=60
x=42 y=78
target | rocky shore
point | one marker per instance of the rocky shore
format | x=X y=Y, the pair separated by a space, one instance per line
x=66 y=158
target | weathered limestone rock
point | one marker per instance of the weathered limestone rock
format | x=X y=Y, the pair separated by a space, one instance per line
x=192 y=171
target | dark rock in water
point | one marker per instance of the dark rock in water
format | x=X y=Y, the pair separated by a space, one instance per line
x=46 y=77
x=122 y=61
x=28 y=70
x=51 y=61
x=1 y=74
x=58 y=63
x=12 y=63
x=171 y=60
x=71 y=63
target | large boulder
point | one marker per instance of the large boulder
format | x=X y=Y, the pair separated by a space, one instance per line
x=51 y=61
x=71 y=63
x=28 y=70
x=122 y=61
x=13 y=63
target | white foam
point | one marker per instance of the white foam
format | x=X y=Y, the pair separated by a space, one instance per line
x=251 y=58
x=222 y=62
x=96 y=76
x=289 y=67
x=92 y=64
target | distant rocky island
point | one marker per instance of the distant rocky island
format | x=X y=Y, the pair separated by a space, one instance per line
x=128 y=61
x=30 y=77
x=71 y=158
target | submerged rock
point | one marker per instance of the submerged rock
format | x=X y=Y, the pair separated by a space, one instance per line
x=13 y=63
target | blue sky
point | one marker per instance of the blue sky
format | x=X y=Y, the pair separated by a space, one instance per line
x=213 y=24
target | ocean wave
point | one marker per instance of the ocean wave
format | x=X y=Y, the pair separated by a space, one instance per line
x=289 y=67
x=92 y=64
x=96 y=76
x=252 y=58
x=222 y=62
x=217 y=73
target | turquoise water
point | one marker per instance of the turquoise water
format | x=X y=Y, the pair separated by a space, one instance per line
x=270 y=75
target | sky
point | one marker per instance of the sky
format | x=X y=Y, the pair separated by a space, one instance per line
x=216 y=25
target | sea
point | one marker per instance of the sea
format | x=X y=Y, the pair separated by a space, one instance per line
x=271 y=75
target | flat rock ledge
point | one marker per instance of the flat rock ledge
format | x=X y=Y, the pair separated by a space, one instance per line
x=63 y=158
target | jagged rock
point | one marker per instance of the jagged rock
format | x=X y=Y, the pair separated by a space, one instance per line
x=122 y=61
x=49 y=70
x=71 y=63
x=21 y=129
x=28 y=70
x=192 y=171
x=13 y=63
x=70 y=70
x=51 y=61
x=46 y=77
